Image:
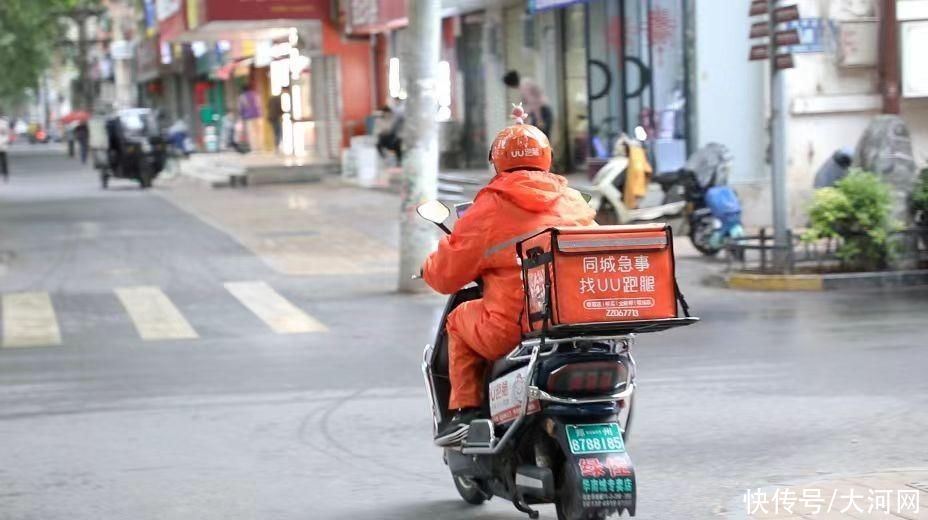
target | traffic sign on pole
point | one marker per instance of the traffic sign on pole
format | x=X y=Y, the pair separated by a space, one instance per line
x=760 y=30
x=786 y=38
x=760 y=52
x=789 y=13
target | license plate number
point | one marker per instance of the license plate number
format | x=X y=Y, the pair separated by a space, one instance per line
x=595 y=438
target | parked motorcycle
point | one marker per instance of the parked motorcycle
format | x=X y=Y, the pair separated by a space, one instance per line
x=606 y=193
x=179 y=140
x=713 y=211
x=560 y=409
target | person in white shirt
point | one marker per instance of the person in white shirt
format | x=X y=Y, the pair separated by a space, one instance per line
x=4 y=144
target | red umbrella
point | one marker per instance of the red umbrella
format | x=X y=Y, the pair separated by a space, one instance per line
x=79 y=115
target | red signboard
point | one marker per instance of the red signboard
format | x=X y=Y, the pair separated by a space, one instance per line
x=784 y=38
x=266 y=9
x=785 y=14
x=759 y=7
x=172 y=26
x=759 y=52
x=783 y=61
x=760 y=29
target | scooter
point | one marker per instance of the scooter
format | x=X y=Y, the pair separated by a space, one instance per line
x=560 y=412
x=713 y=211
x=606 y=193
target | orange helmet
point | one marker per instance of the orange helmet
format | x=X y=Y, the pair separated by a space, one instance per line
x=520 y=147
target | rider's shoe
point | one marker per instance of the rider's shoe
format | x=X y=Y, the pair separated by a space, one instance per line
x=456 y=430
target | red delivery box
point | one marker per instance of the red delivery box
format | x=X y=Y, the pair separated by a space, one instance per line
x=584 y=275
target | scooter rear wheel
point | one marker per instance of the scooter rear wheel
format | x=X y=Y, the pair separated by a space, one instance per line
x=606 y=215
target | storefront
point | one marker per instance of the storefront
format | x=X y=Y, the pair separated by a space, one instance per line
x=606 y=67
x=284 y=51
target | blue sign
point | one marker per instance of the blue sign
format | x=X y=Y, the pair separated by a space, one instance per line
x=535 y=6
x=811 y=34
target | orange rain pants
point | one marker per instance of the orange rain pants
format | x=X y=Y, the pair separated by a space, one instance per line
x=512 y=207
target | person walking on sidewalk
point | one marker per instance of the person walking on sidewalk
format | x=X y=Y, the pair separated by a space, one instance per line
x=4 y=144
x=389 y=138
x=82 y=136
x=249 y=110
x=274 y=114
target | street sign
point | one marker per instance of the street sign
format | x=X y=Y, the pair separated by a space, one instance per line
x=760 y=30
x=759 y=52
x=786 y=38
x=758 y=7
x=783 y=61
x=789 y=13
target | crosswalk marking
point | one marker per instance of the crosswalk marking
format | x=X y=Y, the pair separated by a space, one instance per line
x=282 y=316
x=153 y=314
x=29 y=320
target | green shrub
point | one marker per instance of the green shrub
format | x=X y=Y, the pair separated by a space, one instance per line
x=920 y=195
x=857 y=211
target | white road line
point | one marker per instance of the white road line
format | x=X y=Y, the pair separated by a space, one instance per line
x=153 y=314
x=29 y=320
x=282 y=316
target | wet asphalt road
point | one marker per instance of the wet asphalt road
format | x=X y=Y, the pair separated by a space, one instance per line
x=241 y=422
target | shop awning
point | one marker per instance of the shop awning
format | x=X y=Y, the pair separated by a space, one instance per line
x=246 y=30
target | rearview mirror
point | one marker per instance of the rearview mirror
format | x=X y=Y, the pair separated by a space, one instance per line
x=433 y=211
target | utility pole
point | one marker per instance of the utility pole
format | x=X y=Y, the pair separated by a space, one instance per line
x=889 y=58
x=79 y=17
x=770 y=50
x=420 y=164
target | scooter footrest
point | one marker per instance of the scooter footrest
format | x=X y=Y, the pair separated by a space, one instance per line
x=480 y=434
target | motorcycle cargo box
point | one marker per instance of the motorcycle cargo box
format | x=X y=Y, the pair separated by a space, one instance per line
x=605 y=278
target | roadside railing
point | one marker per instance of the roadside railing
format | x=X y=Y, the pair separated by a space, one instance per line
x=760 y=254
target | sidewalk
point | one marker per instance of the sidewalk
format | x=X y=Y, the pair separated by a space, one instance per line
x=232 y=168
x=324 y=228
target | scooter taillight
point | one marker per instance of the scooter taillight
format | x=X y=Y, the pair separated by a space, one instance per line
x=588 y=378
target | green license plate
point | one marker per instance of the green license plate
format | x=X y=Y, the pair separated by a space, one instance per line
x=595 y=438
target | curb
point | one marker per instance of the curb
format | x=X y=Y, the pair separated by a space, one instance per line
x=824 y=282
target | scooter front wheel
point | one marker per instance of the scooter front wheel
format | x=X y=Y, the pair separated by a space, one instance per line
x=470 y=490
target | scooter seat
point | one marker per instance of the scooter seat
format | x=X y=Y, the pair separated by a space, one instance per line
x=503 y=366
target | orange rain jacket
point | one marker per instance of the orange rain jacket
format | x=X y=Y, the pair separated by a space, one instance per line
x=512 y=207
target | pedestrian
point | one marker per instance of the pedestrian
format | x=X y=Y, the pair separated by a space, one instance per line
x=390 y=137
x=249 y=111
x=534 y=101
x=275 y=113
x=82 y=136
x=4 y=144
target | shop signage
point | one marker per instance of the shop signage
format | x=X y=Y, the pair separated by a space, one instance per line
x=147 y=59
x=266 y=9
x=167 y=8
x=811 y=34
x=914 y=72
x=535 y=6
x=121 y=50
